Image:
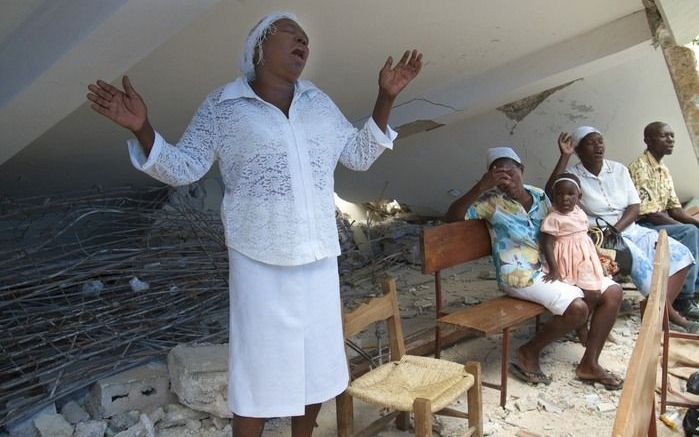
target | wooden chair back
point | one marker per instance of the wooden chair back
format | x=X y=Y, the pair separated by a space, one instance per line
x=636 y=412
x=452 y=244
x=378 y=309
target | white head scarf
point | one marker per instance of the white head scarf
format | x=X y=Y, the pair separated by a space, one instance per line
x=581 y=132
x=496 y=153
x=254 y=41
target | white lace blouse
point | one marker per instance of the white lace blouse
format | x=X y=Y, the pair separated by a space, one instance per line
x=278 y=172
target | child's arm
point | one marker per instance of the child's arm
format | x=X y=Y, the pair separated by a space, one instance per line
x=553 y=274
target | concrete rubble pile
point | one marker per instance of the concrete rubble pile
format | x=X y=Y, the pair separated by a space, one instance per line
x=96 y=282
x=184 y=398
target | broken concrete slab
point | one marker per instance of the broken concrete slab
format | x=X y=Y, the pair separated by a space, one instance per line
x=143 y=387
x=90 y=428
x=74 y=413
x=177 y=415
x=53 y=425
x=124 y=421
x=26 y=427
x=145 y=426
x=199 y=377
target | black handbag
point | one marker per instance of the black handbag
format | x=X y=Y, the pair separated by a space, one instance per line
x=608 y=237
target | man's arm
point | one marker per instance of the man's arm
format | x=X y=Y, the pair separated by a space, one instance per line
x=659 y=218
x=681 y=216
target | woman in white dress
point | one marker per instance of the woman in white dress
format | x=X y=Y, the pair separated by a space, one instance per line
x=277 y=141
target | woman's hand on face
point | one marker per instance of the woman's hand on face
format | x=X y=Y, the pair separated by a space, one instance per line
x=493 y=178
x=393 y=80
x=565 y=144
x=125 y=108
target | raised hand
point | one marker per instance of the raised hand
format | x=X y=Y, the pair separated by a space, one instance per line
x=125 y=108
x=565 y=144
x=393 y=80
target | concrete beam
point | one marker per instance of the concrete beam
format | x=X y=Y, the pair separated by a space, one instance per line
x=681 y=18
x=66 y=44
x=610 y=45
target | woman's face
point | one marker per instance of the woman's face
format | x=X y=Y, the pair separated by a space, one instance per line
x=590 y=150
x=285 y=50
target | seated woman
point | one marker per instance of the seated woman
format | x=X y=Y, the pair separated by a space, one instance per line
x=514 y=212
x=609 y=193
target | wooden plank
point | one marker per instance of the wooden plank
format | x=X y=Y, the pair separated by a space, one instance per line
x=637 y=402
x=494 y=315
x=452 y=244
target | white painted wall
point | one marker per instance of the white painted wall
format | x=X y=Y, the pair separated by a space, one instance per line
x=619 y=101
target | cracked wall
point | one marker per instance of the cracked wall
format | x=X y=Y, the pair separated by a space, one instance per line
x=620 y=101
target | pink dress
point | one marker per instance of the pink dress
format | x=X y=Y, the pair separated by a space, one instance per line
x=578 y=263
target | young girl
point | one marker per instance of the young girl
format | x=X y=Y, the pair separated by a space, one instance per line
x=570 y=253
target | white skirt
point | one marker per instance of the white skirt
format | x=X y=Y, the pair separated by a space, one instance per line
x=286 y=342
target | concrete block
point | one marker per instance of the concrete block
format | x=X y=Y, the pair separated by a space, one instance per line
x=145 y=426
x=177 y=415
x=141 y=388
x=74 y=413
x=91 y=428
x=124 y=421
x=26 y=428
x=199 y=377
x=53 y=425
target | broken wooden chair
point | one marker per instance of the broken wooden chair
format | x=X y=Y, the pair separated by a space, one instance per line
x=422 y=385
x=636 y=412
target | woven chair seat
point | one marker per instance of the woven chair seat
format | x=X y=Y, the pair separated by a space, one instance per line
x=397 y=384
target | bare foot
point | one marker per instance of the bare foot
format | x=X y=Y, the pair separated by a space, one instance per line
x=601 y=375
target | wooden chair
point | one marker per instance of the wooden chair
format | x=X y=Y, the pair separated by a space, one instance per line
x=667 y=335
x=407 y=383
x=456 y=243
x=636 y=412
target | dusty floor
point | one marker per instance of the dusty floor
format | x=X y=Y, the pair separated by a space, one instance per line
x=565 y=408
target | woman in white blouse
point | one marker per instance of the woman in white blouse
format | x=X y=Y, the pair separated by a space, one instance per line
x=609 y=193
x=277 y=140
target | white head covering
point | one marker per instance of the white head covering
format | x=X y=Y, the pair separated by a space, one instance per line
x=496 y=153
x=582 y=132
x=254 y=41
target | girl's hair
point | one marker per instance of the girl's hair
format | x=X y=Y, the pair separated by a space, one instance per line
x=568 y=177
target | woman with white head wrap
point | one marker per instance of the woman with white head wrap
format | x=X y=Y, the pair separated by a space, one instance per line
x=608 y=192
x=277 y=140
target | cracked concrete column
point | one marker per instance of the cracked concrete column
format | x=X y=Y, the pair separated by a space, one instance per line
x=682 y=65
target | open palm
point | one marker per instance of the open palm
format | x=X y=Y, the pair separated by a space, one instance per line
x=126 y=108
x=393 y=80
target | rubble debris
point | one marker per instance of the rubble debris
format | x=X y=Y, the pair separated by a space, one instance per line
x=199 y=377
x=93 y=288
x=26 y=428
x=124 y=421
x=74 y=413
x=135 y=389
x=138 y=286
x=53 y=425
x=90 y=428
x=53 y=254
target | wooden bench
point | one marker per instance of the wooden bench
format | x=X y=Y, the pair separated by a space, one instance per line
x=456 y=243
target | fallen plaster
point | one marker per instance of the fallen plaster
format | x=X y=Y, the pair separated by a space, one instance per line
x=518 y=110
